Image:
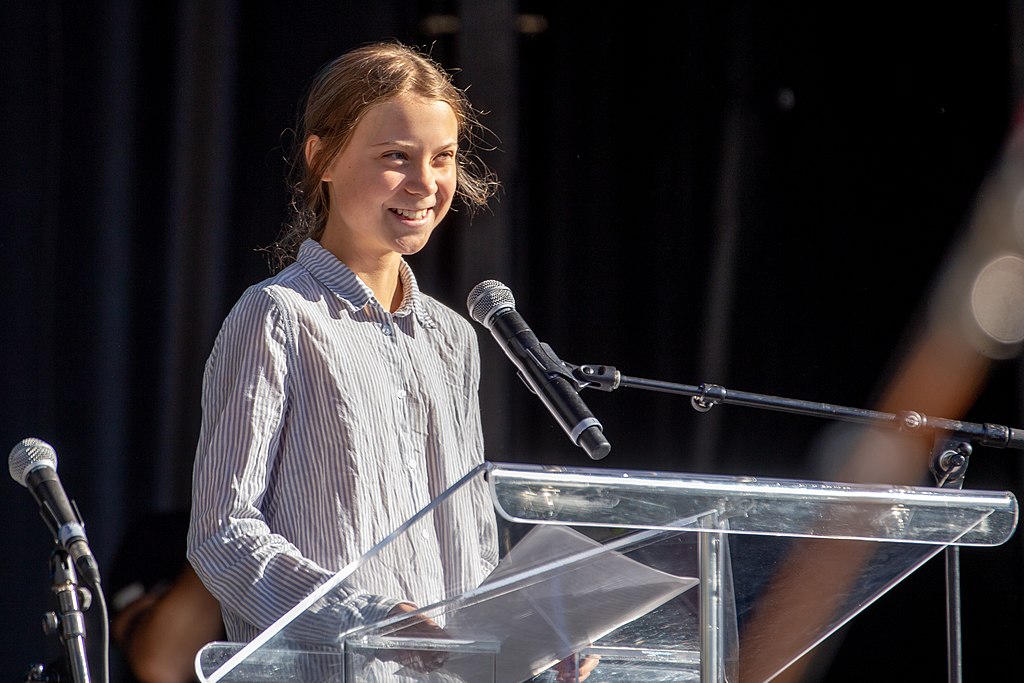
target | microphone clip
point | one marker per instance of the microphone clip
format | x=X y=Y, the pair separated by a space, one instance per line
x=551 y=365
x=603 y=377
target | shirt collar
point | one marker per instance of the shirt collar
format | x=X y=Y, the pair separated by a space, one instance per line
x=333 y=274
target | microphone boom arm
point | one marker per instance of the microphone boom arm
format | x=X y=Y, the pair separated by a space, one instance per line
x=703 y=397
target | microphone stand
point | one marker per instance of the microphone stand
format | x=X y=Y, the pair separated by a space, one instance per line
x=953 y=444
x=71 y=600
x=68 y=620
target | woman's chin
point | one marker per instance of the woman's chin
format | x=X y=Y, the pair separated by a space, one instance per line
x=407 y=246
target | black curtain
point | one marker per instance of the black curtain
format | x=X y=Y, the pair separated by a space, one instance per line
x=758 y=195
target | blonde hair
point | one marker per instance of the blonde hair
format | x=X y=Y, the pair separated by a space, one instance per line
x=338 y=98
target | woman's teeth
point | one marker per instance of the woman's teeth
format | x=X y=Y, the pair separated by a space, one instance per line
x=414 y=215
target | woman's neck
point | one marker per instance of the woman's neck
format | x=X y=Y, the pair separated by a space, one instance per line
x=385 y=284
x=379 y=271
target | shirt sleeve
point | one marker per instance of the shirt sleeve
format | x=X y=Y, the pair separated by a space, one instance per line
x=256 y=574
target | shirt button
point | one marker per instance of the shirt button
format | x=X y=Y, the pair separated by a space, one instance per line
x=386 y=329
x=401 y=393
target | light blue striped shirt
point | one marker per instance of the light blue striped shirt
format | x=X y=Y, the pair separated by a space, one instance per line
x=327 y=422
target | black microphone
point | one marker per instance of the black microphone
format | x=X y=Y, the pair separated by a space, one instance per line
x=492 y=305
x=33 y=464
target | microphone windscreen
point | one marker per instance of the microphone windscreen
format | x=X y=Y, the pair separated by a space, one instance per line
x=29 y=454
x=487 y=298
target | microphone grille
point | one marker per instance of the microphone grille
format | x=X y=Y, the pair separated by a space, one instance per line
x=27 y=455
x=487 y=298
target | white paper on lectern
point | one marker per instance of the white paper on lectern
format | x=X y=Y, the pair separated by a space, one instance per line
x=562 y=610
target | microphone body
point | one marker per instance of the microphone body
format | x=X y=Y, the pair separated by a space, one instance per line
x=491 y=304
x=33 y=464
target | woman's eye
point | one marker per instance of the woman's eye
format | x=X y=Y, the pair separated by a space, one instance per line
x=396 y=156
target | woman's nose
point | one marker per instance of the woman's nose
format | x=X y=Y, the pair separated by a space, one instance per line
x=421 y=180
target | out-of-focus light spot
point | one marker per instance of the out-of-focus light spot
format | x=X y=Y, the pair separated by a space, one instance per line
x=440 y=24
x=531 y=23
x=997 y=304
x=449 y=24
x=786 y=99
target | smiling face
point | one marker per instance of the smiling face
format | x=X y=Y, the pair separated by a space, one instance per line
x=392 y=183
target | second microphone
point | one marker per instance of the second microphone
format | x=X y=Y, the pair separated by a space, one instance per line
x=492 y=305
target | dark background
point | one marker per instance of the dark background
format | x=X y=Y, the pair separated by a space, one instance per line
x=758 y=195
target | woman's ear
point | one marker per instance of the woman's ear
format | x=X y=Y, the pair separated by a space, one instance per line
x=313 y=147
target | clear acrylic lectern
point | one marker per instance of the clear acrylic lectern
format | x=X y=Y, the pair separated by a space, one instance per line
x=661 y=576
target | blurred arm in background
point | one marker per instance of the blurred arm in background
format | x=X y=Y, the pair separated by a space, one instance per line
x=162 y=613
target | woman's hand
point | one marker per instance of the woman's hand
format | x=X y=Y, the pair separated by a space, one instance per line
x=416 y=626
x=566 y=669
